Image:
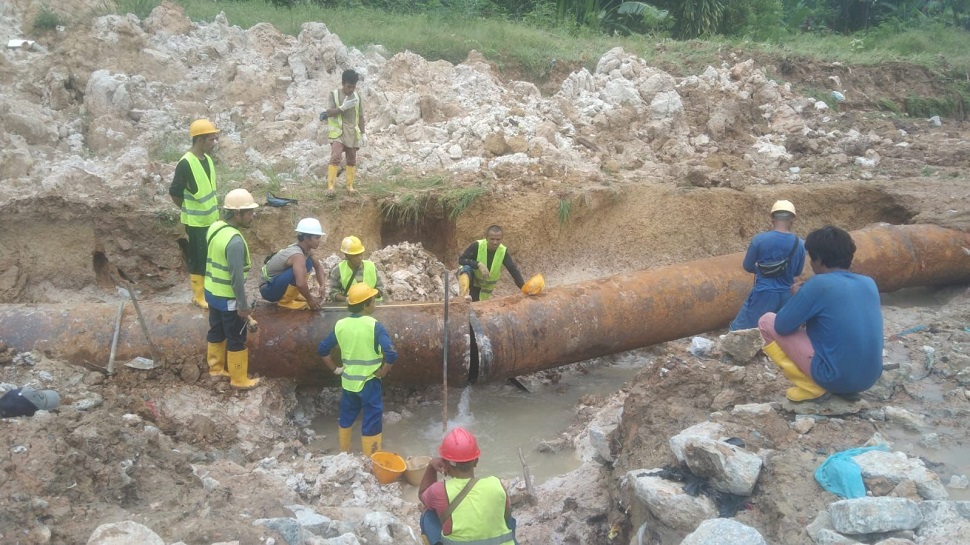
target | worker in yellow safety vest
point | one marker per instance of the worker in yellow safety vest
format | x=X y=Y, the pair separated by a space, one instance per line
x=193 y=189
x=463 y=509
x=366 y=354
x=225 y=290
x=345 y=128
x=481 y=265
x=354 y=269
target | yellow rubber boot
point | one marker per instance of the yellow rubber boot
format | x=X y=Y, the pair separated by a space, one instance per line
x=198 y=290
x=463 y=284
x=289 y=299
x=804 y=388
x=343 y=438
x=370 y=443
x=238 y=363
x=332 y=171
x=216 y=357
x=351 y=173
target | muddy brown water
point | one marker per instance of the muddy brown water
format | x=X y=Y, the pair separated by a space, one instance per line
x=503 y=418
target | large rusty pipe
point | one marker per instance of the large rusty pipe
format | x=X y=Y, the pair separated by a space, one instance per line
x=622 y=312
x=284 y=346
x=503 y=337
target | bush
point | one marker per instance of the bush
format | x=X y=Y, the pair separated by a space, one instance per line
x=759 y=19
x=46 y=19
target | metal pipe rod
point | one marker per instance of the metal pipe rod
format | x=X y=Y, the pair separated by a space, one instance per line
x=502 y=337
x=114 y=339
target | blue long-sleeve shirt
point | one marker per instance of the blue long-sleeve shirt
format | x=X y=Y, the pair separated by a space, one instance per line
x=381 y=340
x=774 y=246
x=843 y=320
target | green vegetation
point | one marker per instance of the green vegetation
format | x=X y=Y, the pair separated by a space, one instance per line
x=927 y=171
x=47 y=19
x=141 y=8
x=407 y=201
x=168 y=147
x=565 y=209
x=540 y=39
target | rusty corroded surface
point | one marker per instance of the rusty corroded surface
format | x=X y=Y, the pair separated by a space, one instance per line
x=513 y=335
x=284 y=346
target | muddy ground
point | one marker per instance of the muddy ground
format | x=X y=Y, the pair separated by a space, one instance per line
x=84 y=198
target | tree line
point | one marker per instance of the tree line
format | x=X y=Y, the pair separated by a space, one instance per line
x=685 y=19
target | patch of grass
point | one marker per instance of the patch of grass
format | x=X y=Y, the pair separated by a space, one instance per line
x=141 y=8
x=889 y=105
x=927 y=171
x=47 y=19
x=565 y=209
x=947 y=106
x=168 y=147
x=459 y=199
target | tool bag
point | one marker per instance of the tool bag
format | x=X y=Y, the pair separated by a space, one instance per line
x=774 y=269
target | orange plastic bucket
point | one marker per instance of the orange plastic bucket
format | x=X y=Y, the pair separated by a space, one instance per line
x=416 y=465
x=387 y=466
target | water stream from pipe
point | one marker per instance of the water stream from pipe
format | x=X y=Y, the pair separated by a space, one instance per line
x=503 y=419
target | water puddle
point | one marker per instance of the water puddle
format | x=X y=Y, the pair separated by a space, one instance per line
x=503 y=419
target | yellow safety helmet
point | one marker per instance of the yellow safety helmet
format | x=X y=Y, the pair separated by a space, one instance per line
x=358 y=293
x=352 y=246
x=239 y=199
x=200 y=127
x=534 y=286
x=783 y=206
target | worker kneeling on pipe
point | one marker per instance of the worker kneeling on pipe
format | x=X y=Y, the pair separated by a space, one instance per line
x=225 y=290
x=286 y=273
x=840 y=348
x=367 y=354
x=463 y=508
x=353 y=270
x=480 y=266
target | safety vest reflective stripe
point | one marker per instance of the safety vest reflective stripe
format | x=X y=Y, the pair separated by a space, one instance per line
x=336 y=122
x=218 y=277
x=200 y=209
x=367 y=273
x=498 y=540
x=355 y=336
x=487 y=285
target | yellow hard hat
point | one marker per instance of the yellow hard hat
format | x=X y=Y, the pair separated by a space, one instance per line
x=783 y=206
x=534 y=285
x=200 y=127
x=352 y=246
x=358 y=293
x=239 y=199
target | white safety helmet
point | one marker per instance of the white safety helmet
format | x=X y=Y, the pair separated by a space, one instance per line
x=783 y=206
x=310 y=226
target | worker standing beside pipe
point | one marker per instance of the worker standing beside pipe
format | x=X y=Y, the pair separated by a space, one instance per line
x=775 y=258
x=225 y=290
x=840 y=348
x=480 y=266
x=285 y=274
x=354 y=269
x=463 y=508
x=193 y=189
x=367 y=354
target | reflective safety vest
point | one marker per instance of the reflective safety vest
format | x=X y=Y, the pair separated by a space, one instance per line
x=367 y=273
x=356 y=337
x=488 y=285
x=200 y=209
x=218 y=278
x=480 y=518
x=336 y=122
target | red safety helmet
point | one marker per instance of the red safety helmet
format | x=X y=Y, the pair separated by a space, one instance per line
x=459 y=446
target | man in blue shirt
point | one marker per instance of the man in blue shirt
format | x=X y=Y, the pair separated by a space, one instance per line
x=775 y=258
x=366 y=354
x=839 y=349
